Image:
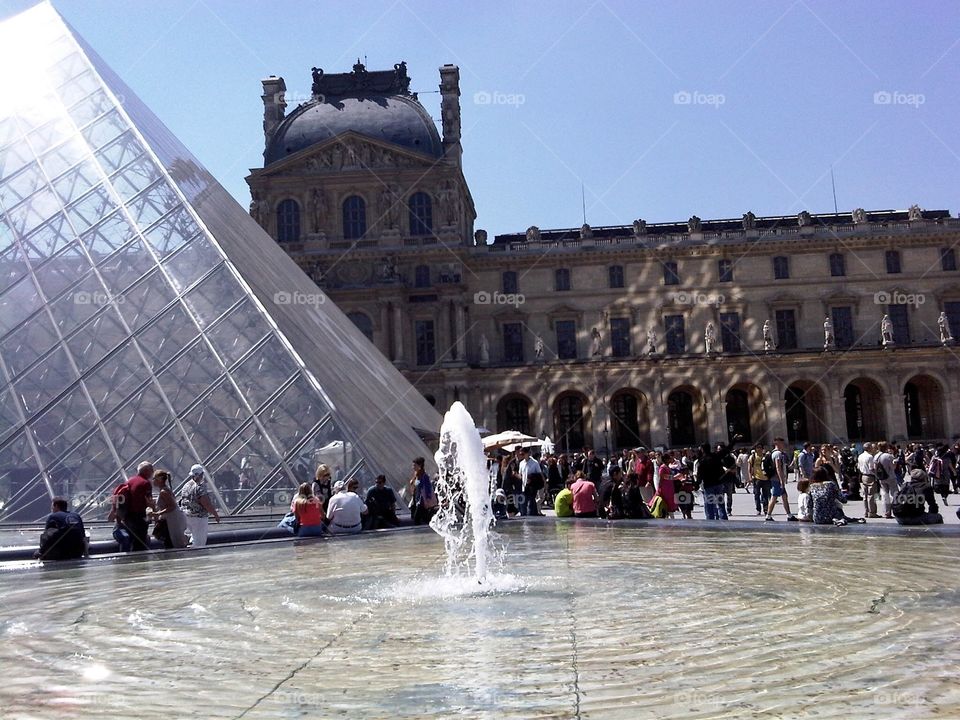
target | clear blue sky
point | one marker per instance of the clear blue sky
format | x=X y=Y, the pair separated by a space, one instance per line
x=598 y=82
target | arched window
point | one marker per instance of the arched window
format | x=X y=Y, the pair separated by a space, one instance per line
x=363 y=322
x=568 y=423
x=288 y=221
x=421 y=214
x=354 y=218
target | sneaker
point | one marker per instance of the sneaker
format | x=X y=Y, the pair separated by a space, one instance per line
x=769 y=518
x=792 y=518
x=759 y=513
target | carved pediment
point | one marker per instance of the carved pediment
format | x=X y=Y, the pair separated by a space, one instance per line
x=347 y=152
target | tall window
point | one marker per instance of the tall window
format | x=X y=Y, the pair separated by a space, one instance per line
x=842 y=326
x=420 y=210
x=786 y=329
x=561 y=280
x=426 y=342
x=671 y=275
x=566 y=339
x=513 y=342
x=948 y=259
x=620 y=337
x=901 y=323
x=676 y=334
x=725 y=270
x=730 y=332
x=838 y=265
x=568 y=423
x=781 y=267
x=510 y=284
x=363 y=322
x=616 y=276
x=516 y=415
x=354 y=218
x=893 y=261
x=421 y=276
x=288 y=221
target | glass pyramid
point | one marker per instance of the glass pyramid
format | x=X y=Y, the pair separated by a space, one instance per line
x=145 y=316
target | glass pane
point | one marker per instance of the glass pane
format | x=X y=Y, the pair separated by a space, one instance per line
x=81 y=303
x=214 y=419
x=29 y=214
x=45 y=381
x=13 y=266
x=90 y=108
x=145 y=300
x=105 y=129
x=134 y=425
x=330 y=447
x=23 y=495
x=88 y=210
x=172 y=232
x=109 y=235
x=17 y=304
x=28 y=343
x=48 y=240
x=120 y=152
x=171 y=452
x=63 y=424
x=135 y=177
x=262 y=374
x=77 y=181
x=190 y=375
x=294 y=413
x=239 y=331
x=63 y=271
x=126 y=266
x=250 y=456
x=22 y=185
x=87 y=476
x=166 y=337
x=9 y=413
x=214 y=296
x=192 y=262
x=153 y=204
x=96 y=339
x=64 y=156
x=118 y=377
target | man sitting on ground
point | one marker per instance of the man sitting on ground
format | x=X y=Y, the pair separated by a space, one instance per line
x=912 y=500
x=63 y=537
x=382 y=505
x=563 y=504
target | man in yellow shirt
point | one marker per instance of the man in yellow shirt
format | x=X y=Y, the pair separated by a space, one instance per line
x=563 y=505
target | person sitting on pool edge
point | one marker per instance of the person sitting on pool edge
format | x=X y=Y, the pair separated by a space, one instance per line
x=382 y=504
x=563 y=503
x=346 y=510
x=308 y=511
x=63 y=536
x=912 y=500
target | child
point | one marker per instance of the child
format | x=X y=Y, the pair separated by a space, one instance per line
x=805 y=513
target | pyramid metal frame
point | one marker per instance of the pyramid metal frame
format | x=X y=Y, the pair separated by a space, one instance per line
x=145 y=315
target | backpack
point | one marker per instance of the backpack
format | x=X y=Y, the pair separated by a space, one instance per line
x=769 y=466
x=908 y=501
x=880 y=471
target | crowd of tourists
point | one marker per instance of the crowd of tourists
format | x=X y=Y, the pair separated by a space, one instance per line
x=903 y=481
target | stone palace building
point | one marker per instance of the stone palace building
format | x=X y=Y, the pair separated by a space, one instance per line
x=827 y=327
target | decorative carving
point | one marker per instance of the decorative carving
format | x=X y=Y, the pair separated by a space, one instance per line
x=914 y=213
x=829 y=342
x=538 y=348
x=533 y=234
x=585 y=232
x=768 y=343
x=749 y=221
x=651 y=341
x=388 y=205
x=484 y=350
x=710 y=337
x=388 y=269
x=639 y=227
x=596 y=349
x=946 y=337
x=804 y=218
x=480 y=237
x=694 y=224
x=449 y=200
x=319 y=208
x=353 y=273
x=859 y=216
x=352 y=154
x=361 y=80
x=257 y=206
x=886 y=331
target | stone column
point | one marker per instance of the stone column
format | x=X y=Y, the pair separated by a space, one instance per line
x=398 y=357
x=385 y=344
x=461 y=330
x=658 y=415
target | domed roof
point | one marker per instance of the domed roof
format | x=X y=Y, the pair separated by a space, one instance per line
x=392 y=118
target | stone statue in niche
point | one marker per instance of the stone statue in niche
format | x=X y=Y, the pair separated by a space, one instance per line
x=710 y=337
x=319 y=207
x=829 y=342
x=768 y=343
x=595 y=343
x=651 y=341
x=945 y=336
x=484 y=350
x=538 y=348
x=886 y=331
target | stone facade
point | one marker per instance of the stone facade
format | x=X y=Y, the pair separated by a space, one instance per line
x=645 y=333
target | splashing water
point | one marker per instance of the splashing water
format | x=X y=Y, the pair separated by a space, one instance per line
x=464 y=489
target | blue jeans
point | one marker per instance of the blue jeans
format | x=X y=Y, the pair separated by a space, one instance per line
x=714 y=503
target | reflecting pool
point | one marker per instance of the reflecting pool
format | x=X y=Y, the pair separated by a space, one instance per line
x=591 y=622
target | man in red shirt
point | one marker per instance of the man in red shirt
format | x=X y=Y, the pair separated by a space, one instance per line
x=132 y=510
x=584 y=497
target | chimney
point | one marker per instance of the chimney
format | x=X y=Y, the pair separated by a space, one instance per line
x=274 y=107
x=450 y=111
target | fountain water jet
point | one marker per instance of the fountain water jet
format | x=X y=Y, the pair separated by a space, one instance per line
x=464 y=489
